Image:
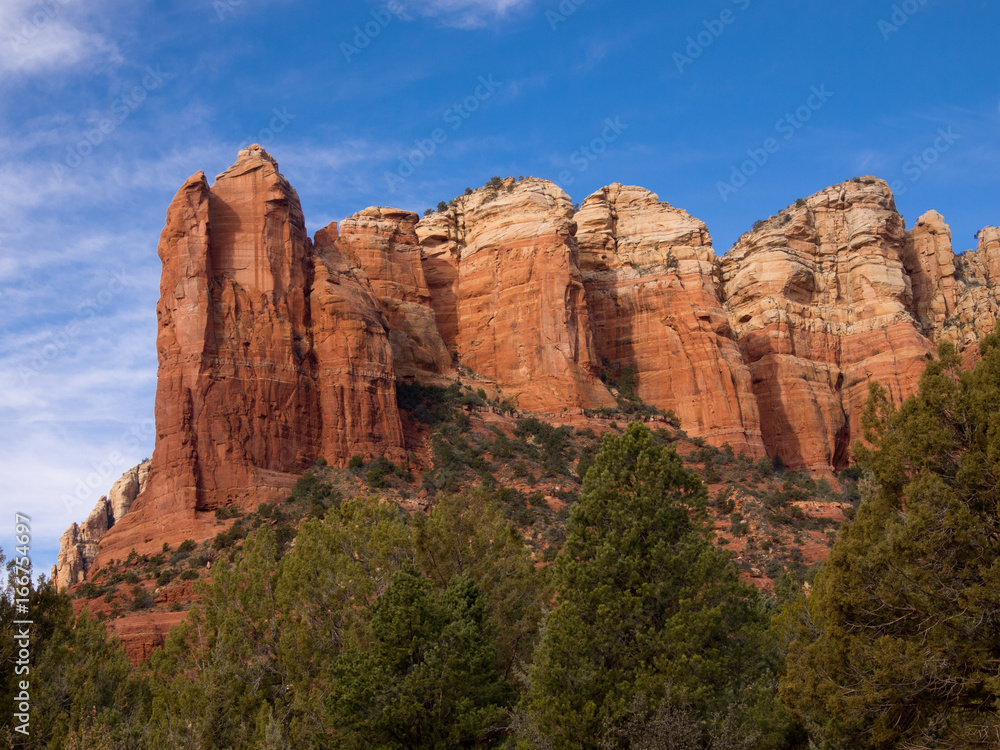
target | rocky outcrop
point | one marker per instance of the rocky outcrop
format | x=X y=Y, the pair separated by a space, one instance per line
x=650 y=277
x=78 y=546
x=382 y=243
x=977 y=307
x=930 y=263
x=514 y=308
x=820 y=302
x=354 y=360
x=245 y=400
x=955 y=296
x=276 y=350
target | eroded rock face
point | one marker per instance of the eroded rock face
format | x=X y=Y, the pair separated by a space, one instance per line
x=650 y=277
x=930 y=263
x=78 y=546
x=382 y=242
x=245 y=400
x=276 y=350
x=355 y=374
x=959 y=291
x=820 y=302
x=510 y=298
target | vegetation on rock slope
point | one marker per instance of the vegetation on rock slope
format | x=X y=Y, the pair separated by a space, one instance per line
x=338 y=619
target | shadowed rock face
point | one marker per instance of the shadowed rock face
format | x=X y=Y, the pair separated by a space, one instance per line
x=276 y=350
x=382 y=243
x=820 y=302
x=650 y=276
x=353 y=360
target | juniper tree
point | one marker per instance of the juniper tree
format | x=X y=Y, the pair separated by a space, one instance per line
x=649 y=612
x=899 y=645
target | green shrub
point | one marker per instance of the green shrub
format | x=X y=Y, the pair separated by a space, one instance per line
x=88 y=590
x=165 y=577
x=189 y=575
x=379 y=471
x=141 y=599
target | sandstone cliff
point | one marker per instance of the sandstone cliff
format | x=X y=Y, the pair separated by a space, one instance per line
x=650 y=277
x=383 y=244
x=78 y=546
x=513 y=306
x=955 y=296
x=276 y=350
x=245 y=400
x=353 y=355
x=820 y=301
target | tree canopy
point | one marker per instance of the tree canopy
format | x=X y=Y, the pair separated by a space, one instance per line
x=899 y=645
x=649 y=612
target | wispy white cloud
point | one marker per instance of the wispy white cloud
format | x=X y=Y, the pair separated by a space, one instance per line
x=466 y=14
x=46 y=36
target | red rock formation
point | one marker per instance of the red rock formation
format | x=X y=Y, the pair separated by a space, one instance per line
x=978 y=305
x=383 y=243
x=141 y=634
x=650 y=276
x=243 y=402
x=78 y=546
x=438 y=235
x=930 y=263
x=354 y=362
x=519 y=308
x=820 y=302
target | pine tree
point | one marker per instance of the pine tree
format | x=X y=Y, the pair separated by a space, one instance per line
x=468 y=534
x=899 y=644
x=649 y=612
x=80 y=680
x=427 y=677
x=218 y=671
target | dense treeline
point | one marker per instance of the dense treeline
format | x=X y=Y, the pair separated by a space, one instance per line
x=380 y=630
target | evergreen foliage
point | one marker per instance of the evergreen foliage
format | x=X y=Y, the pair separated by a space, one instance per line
x=899 y=645
x=648 y=610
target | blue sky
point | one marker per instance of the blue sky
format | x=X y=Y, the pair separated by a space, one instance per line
x=730 y=109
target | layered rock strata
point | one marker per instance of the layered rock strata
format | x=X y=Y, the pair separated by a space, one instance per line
x=258 y=375
x=955 y=296
x=820 y=301
x=383 y=244
x=512 y=304
x=276 y=350
x=650 y=276
x=79 y=545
